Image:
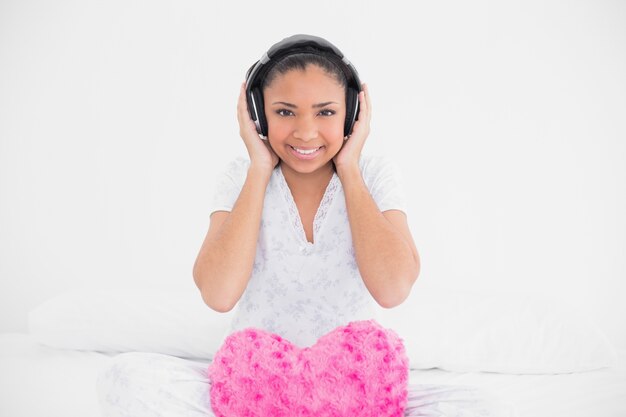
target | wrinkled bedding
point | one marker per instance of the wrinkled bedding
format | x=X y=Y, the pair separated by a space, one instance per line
x=41 y=381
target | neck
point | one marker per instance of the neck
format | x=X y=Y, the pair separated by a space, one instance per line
x=309 y=183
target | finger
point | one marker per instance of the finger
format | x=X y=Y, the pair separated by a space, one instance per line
x=366 y=94
x=363 y=108
x=242 y=104
x=239 y=103
x=240 y=108
x=368 y=97
x=242 y=93
x=366 y=102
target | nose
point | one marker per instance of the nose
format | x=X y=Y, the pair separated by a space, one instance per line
x=305 y=129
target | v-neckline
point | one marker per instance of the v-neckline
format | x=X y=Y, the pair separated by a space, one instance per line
x=320 y=214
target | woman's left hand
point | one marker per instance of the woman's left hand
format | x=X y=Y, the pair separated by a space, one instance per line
x=350 y=152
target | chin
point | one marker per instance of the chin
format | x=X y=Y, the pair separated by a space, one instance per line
x=307 y=168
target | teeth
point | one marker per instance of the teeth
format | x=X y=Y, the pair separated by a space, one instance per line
x=305 y=152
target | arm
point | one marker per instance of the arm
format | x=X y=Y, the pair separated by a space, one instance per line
x=385 y=252
x=224 y=265
x=384 y=249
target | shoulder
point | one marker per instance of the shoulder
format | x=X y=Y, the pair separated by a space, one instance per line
x=238 y=164
x=374 y=163
x=229 y=182
x=383 y=179
x=236 y=169
x=377 y=167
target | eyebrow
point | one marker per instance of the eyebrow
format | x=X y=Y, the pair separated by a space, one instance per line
x=315 y=106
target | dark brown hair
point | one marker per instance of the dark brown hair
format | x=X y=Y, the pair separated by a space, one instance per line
x=300 y=61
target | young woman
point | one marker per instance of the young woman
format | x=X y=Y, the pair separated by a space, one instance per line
x=305 y=235
x=311 y=231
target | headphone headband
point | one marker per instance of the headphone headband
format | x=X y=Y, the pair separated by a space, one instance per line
x=293 y=45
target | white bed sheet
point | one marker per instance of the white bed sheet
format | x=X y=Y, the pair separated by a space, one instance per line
x=39 y=381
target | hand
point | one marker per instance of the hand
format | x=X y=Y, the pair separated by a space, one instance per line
x=350 y=152
x=261 y=153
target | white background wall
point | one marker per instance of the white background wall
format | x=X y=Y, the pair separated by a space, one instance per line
x=506 y=118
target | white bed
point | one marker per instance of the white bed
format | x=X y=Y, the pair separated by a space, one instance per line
x=42 y=381
x=38 y=380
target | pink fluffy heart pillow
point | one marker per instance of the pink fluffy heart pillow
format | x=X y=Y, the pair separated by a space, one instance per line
x=360 y=369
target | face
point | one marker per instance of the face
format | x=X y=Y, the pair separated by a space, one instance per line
x=305 y=113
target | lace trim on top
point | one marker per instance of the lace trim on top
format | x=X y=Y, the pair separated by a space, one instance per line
x=320 y=215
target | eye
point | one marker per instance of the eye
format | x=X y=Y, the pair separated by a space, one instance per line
x=279 y=112
x=328 y=112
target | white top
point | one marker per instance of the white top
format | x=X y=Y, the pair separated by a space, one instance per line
x=298 y=289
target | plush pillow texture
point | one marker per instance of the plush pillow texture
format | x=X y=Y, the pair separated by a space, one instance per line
x=458 y=331
x=360 y=369
x=461 y=331
x=174 y=323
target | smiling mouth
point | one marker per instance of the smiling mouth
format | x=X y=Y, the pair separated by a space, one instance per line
x=306 y=151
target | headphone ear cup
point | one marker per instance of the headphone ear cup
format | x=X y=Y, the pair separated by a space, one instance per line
x=259 y=110
x=352 y=101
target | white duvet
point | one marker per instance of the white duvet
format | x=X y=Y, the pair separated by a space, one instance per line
x=41 y=381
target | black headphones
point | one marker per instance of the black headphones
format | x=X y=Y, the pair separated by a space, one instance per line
x=293 y=45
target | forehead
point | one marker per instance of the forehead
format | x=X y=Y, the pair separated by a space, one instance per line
x=311 y=84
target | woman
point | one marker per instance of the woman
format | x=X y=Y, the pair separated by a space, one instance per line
x=305 y=235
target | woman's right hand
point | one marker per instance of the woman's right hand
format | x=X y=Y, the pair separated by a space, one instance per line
x=261 y=154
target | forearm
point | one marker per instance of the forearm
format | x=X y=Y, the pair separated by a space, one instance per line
x=385 y=260
x=226 y=260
